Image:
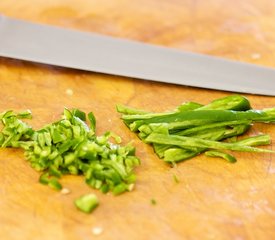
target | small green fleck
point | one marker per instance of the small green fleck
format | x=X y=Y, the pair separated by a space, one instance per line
x=153 y=201
x=176 y=179
x=25 y=114
x=51 y=181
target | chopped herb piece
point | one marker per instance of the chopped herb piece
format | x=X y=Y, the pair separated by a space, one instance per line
x=120 y=188
x=92 y=121
x=176 y=179
x=25 y=114
x=79 y=114
x=191 y=143
x=54 y=184
x=223 y=155
x=51 y=181
x=87 y=203
x=44 y=178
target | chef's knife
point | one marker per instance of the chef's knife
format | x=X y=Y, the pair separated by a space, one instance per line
x=93 y=52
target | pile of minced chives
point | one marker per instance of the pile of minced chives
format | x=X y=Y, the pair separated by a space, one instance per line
x=192 y=129
x=70 y=146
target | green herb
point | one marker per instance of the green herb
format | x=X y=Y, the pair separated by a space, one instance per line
x=192 y=128
x=261 y=139
x=54 y=184
x=128 y=110
x=231 y=102
x=70 y=146
x=223 y=155
x=192 y=143
x=87 y=203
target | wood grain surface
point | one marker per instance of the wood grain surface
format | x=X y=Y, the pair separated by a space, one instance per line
x=214 y=199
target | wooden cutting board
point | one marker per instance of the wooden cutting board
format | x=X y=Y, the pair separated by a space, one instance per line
x=214 y=199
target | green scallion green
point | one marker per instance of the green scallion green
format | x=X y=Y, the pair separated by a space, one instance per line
x=87 y=203
x=70 y=146
x=194 y=128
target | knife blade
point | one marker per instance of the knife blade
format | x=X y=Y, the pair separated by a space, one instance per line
x=98 y=53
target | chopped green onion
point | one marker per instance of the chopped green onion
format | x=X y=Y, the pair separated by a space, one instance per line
x=87 y=203
x=25 y=114
x=192 y=128
x=54 y=184
x=81 y=115
x=223 y=155
x=191 y=142
x=92 y=121
x=69 y=146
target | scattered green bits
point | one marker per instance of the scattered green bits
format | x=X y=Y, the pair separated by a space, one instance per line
x=87 y=203
x=70 y=146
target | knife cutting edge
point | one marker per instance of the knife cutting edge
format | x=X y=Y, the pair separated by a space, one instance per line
x=98 y=53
